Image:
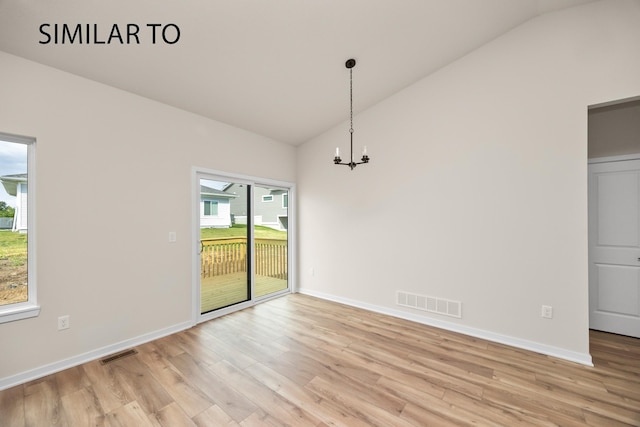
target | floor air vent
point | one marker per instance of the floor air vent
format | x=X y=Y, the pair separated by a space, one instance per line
x=117 y=356
x=431 y=304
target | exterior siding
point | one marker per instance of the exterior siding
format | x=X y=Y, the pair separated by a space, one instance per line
x=269 y=214
x=221 y=220
x=21 y=215
x=239 y=203
x=269 y=211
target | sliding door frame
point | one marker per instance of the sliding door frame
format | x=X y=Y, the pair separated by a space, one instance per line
x=196 y=174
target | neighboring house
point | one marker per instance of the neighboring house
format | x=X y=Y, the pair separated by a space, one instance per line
x=215 y=208
x=16 y=185
x=270 y=207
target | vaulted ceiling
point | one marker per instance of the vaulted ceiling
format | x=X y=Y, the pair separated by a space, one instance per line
x=273 y=67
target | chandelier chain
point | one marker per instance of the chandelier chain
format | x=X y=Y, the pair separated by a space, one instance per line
x=351 y=98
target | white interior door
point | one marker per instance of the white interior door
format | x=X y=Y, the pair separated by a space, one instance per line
x=614 y=247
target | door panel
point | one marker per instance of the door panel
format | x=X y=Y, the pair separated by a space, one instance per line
x=270 y=212
x=617 y=198
x=618 y=290
x=224 y=251
x=614 y=247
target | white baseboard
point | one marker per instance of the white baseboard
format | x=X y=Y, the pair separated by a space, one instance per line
x=560 y=353
x=52 y=368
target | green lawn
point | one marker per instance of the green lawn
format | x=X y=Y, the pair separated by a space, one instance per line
x=13 y=246
x=240 y=230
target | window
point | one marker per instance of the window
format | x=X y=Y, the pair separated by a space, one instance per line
x=210 y=208
x=285 y=200
x=268 y=198
x=17 y=228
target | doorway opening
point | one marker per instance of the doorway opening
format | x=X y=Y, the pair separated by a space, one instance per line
x=614 y=217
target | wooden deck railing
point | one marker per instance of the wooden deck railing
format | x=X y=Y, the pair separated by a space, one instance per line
x=222 y=256
x=271 y=258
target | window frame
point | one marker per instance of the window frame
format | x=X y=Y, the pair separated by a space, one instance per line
x=29 y=308
x=210 y=202
x=267 y=198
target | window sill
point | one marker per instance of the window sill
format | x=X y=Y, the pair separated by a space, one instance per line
x=18 y=313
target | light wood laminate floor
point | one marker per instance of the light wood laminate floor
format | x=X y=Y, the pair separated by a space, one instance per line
x=302 y=361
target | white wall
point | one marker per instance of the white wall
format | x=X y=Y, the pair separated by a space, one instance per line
x=102 y=155
x=482 y=170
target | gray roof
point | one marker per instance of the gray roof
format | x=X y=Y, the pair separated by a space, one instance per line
x=208 y=191
x=14 y=177
x=10 y=182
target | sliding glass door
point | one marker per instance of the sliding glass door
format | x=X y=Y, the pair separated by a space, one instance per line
x=225 y=256
x=243 y=242
x=270 y=230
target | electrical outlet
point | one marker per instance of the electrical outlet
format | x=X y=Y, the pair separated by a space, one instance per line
x=547 y=312
x=63 y=322
x=172 y=237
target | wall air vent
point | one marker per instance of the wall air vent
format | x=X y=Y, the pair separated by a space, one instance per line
x=436 y=305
